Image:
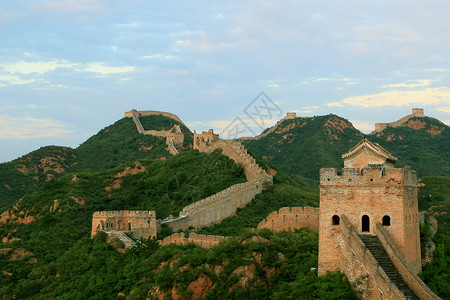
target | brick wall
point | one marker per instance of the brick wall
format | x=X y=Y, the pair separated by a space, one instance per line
x=356 y=263
x=376 y=193
x=416 y=112
x=217 y=207
x=172 y=138
x=289 y=218
x=201 y=240
x=223 y=204
x=406 y=270
x=142 y=223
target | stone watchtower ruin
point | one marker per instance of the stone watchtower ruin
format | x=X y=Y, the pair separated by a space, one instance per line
x=368 y=190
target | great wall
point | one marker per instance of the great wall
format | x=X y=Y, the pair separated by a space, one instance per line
x=416 y=112
x=174 y=136
x=223 y=204
x=373 y=243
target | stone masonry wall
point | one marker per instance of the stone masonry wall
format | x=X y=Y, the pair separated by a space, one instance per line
x=138 y=113
x=405 y=269
x=376 y=192
x=223 y=204
x=205 y=241
x=358 y=263
x=137 y=223
x=217 y=207
x=289 y=218
x=416 y=112
x=172 y=138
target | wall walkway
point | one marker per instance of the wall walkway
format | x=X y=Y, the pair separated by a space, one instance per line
x=224 y=204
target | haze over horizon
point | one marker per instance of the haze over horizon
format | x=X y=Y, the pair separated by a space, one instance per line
x=70 y=68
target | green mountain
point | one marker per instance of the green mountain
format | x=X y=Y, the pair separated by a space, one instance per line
x=304 y=145
x=112 y=146
x=46 y=250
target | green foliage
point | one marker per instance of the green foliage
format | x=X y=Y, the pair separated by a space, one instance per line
x=14 y=183
x=427 y=154
x=288 y=190
x=304 y=145
x=118 y=144
x=434 y=197
x=437 y=273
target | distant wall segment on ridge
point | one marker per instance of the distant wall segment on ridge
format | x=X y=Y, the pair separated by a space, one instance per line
x=289 y=218
x=416 y=112
x=139 y=113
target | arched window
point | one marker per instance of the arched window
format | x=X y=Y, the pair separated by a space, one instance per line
x=129 y=226
x=365 y=223
x=386 y=221
x=335 y=220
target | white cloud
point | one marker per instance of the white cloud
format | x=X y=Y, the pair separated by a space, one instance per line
x=29 y=127
x=427 y=96
x=39 y=67
x=418 y=83
x=307 y=110
x=444 y=109
x=273 y=85
x=447 y=122
x=6 y=80
x=105 y=70
x=363 y=126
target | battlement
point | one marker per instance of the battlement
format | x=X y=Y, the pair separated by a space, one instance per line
x=369 y=175
x=289 y=218
x=205 y=241
x=290 y=115
x=137 y=223
x=124 y=213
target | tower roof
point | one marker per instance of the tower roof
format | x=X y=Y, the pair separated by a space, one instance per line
x=375 y=150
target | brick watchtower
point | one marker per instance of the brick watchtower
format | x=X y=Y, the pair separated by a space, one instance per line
x=367 y=191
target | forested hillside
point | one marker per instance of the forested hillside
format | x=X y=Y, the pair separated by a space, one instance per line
x=112 y=146
x=304 y=145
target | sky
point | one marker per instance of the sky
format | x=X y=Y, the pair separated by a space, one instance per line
x=69 y=68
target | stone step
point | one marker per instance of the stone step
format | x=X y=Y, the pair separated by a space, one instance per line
x=379 y=253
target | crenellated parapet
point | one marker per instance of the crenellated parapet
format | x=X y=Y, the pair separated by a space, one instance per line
x=373 y=175
x=289 y=218
x=205 y=241
x=137 y=223
x=223 y=204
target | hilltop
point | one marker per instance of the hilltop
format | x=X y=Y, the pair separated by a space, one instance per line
x=303 y=145
x=112 y=146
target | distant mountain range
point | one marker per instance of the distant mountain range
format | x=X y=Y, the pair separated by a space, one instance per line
x=304 y=145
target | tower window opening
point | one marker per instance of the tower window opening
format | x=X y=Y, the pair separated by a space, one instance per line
x=335 y=220
x=365 y=223
x=386 y=221
x=129 y=226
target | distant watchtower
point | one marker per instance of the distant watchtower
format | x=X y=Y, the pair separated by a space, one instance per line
x=368 y=190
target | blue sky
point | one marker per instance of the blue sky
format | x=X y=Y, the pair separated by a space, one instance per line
x=69 y=68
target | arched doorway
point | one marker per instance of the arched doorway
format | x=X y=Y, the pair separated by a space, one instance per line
x=365 y=223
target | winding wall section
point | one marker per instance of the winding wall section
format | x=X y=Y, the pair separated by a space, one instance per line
x=224 y=204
